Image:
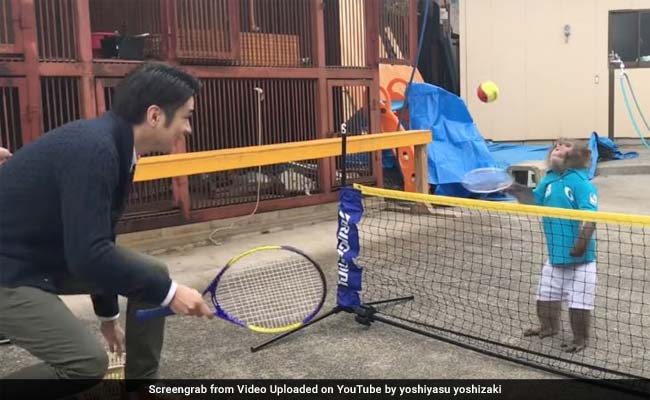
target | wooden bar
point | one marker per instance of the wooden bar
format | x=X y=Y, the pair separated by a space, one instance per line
x=173 y=165
x=122 y=67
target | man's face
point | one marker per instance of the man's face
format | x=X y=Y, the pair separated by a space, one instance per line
x=167 y=134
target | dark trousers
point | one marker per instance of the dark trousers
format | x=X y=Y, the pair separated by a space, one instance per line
x=41 y=323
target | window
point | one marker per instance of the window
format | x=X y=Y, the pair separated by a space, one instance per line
x=630 y=37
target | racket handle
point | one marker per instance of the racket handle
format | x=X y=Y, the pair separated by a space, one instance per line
x=151 y=313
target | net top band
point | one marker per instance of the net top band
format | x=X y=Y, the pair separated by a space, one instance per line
x=512 y=208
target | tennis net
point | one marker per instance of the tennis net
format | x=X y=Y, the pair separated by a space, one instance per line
x=473 y=269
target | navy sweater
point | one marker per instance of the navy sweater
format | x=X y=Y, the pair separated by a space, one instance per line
x=60 y=199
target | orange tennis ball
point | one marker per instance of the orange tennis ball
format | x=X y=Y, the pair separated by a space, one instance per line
x=487 y=91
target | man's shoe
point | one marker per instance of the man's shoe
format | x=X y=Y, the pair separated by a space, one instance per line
x=4 y=340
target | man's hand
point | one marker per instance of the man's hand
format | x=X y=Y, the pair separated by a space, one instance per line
x=114 y=335
x=188 y=301
x=4 y=155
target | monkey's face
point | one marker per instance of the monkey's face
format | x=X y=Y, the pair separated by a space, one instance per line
x=559 y=155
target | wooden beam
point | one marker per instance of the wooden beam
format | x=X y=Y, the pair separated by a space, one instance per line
x=149 y=168
x=68 y=69
x=119 y=69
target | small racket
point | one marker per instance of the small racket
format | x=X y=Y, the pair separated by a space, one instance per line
x=486 y=180
x=267 y=289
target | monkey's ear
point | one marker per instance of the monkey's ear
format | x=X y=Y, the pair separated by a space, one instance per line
x=584 y=156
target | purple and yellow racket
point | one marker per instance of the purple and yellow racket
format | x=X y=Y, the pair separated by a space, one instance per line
x=487 y=180
x=267 y=289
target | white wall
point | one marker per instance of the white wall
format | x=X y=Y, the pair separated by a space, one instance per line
x=548 y=87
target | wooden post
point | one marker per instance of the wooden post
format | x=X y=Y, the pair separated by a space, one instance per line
x=322 y=96
x=169 y=15
x=372 y=58
x=32 y=77
x=413 y=30
x=421 y=179
x=181 y=185
x=85 y=51
x=318 y=37
x=421 y=169
x=171 y=29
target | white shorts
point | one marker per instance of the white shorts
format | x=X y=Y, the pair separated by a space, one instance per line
x=575 y=284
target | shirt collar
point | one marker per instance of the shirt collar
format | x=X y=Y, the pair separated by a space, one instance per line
x=583 y=173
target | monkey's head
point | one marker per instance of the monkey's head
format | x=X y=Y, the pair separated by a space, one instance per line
x=567 y=154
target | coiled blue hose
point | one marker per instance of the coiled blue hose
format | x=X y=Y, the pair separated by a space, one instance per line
x=624 y=79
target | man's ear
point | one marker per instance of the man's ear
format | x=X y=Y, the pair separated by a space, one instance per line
x=155 y=116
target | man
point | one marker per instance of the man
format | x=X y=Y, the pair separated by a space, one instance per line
x=60 y=198
x=5 y=154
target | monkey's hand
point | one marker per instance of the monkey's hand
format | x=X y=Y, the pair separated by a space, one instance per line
x=581 y=244
x=524 y=194
x=579 y=248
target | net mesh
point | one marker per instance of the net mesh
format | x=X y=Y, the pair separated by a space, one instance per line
x=271 y=288
x=474 y=275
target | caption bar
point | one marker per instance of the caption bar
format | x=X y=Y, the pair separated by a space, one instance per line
x=327 y=389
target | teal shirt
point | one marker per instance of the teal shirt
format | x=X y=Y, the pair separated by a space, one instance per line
x=571 y=190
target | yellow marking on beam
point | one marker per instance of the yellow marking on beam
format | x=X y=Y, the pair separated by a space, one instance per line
x=169 y=166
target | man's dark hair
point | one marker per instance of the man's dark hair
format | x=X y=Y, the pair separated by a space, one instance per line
x=157 y=84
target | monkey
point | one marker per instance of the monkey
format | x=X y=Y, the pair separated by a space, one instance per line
x=569 y=273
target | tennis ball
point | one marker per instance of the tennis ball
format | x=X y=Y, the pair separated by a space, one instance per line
x=487 y=91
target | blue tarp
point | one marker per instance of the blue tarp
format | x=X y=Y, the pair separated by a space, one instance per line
x=457 y=147
x=603 y=149
x=506 y=154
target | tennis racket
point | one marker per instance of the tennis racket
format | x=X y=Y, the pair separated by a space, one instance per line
x=486 y=180
x=267 y=289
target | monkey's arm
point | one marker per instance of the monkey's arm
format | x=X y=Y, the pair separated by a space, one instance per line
x=524 y=194
x=582 y=242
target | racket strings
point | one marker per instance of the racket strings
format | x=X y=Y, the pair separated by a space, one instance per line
x=270 y=294
x=271 y=300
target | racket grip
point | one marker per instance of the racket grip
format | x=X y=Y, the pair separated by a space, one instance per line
x=151 y=313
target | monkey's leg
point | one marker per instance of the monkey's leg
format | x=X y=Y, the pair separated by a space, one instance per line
x=548 y=313
x=580 y=321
